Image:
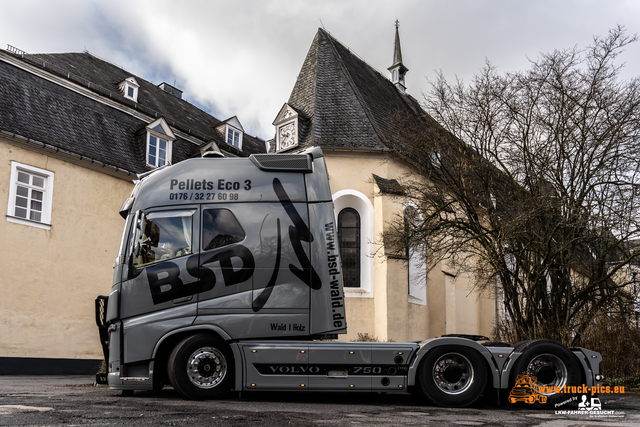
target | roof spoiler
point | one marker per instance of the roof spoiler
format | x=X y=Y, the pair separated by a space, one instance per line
x=298 y=162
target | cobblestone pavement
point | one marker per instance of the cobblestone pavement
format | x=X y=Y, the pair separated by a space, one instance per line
x=74 y=400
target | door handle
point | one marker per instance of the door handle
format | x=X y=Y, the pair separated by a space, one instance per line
x=183 y=299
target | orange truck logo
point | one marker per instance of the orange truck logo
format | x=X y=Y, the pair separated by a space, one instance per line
x=526 y=390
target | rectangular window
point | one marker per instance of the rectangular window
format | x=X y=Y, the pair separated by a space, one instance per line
x=30 y=196
x=129 y=90
x=233 y=137
x=157 y=151
x=416 y=268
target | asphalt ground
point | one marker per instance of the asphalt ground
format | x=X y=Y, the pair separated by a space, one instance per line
x=75 y=400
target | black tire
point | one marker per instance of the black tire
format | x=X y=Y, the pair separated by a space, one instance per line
x=452 y=376
x=553 y=365
x=201 y=367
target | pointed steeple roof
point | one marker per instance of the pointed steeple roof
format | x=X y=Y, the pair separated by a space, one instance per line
x=397 y=51
x=345 y=103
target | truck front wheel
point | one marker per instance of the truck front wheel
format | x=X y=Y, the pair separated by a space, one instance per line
x=452 y=376
x=201 y=367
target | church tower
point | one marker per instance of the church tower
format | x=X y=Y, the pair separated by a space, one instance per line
x=397 y=69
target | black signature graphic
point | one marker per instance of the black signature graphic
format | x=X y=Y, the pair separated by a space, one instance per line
x=262 y=299
x=298 y=233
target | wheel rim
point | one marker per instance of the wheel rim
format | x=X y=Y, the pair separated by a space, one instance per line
x=206 y=367
x=453 y=373
x=549 y=370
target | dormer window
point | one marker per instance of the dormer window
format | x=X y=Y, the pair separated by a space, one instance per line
x=232 y=131
x=159 y=143
x=129 y=88
x=233 y=137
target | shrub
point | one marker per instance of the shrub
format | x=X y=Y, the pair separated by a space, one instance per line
x=366 y=337
x=611 y=335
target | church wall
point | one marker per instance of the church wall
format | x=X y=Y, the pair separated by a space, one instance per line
x=386 y=313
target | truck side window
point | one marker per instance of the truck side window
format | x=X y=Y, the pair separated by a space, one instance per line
x=163 y=235
x=220 y=228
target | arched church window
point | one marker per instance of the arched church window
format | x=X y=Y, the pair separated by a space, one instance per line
x=349 y=238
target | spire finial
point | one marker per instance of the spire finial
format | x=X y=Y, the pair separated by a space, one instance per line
x=397 y=23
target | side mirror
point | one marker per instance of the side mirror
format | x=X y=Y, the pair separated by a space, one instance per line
x=134 y=247
x=126 y=207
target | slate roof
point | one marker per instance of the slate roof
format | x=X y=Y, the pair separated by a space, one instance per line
x=170 y=107
x=253 y=144
x=349 y=103
x=388 y=186
x=47 y=112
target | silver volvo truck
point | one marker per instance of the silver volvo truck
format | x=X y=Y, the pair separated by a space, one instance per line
x=229 y=278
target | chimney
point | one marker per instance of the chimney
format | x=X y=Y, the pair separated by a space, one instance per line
x=170 y=89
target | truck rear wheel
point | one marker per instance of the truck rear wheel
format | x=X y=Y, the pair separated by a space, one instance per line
x=201 y=367
x=554 y=367
x=452 y=376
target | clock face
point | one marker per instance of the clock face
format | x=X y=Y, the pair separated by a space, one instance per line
x=288 y=136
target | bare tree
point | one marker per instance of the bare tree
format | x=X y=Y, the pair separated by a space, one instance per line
x=531 y=180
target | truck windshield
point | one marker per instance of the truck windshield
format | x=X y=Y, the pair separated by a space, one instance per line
x=163 y=235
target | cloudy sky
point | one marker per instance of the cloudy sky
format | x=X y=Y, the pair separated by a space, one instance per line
x=242 y=57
